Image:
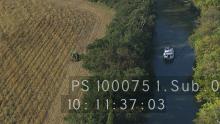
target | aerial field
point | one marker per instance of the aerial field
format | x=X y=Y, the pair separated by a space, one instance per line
x=36 y=39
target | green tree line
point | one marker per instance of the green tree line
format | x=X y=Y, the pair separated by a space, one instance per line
x=124 y=53
x=206 y=41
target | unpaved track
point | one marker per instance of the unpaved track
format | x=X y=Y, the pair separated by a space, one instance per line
x=103 y=18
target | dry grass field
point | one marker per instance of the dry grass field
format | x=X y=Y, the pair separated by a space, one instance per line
x=36 y=38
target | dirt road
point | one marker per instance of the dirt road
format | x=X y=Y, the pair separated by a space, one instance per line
x=103 y=16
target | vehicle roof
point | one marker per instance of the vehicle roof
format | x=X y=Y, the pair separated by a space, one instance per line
x=169 y=50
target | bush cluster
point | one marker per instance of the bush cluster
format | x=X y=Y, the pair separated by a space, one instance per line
x=124 y=53
x=206 y=41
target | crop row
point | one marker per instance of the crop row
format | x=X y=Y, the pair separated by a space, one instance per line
x=34 y=63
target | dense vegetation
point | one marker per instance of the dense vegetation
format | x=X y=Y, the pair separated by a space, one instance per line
x=206 y=3
x=206 y=41
x=124 y=53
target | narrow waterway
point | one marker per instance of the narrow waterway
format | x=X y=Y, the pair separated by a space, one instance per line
x=174 y=25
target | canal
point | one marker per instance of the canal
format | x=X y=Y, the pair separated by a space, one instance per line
x=174 y=25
